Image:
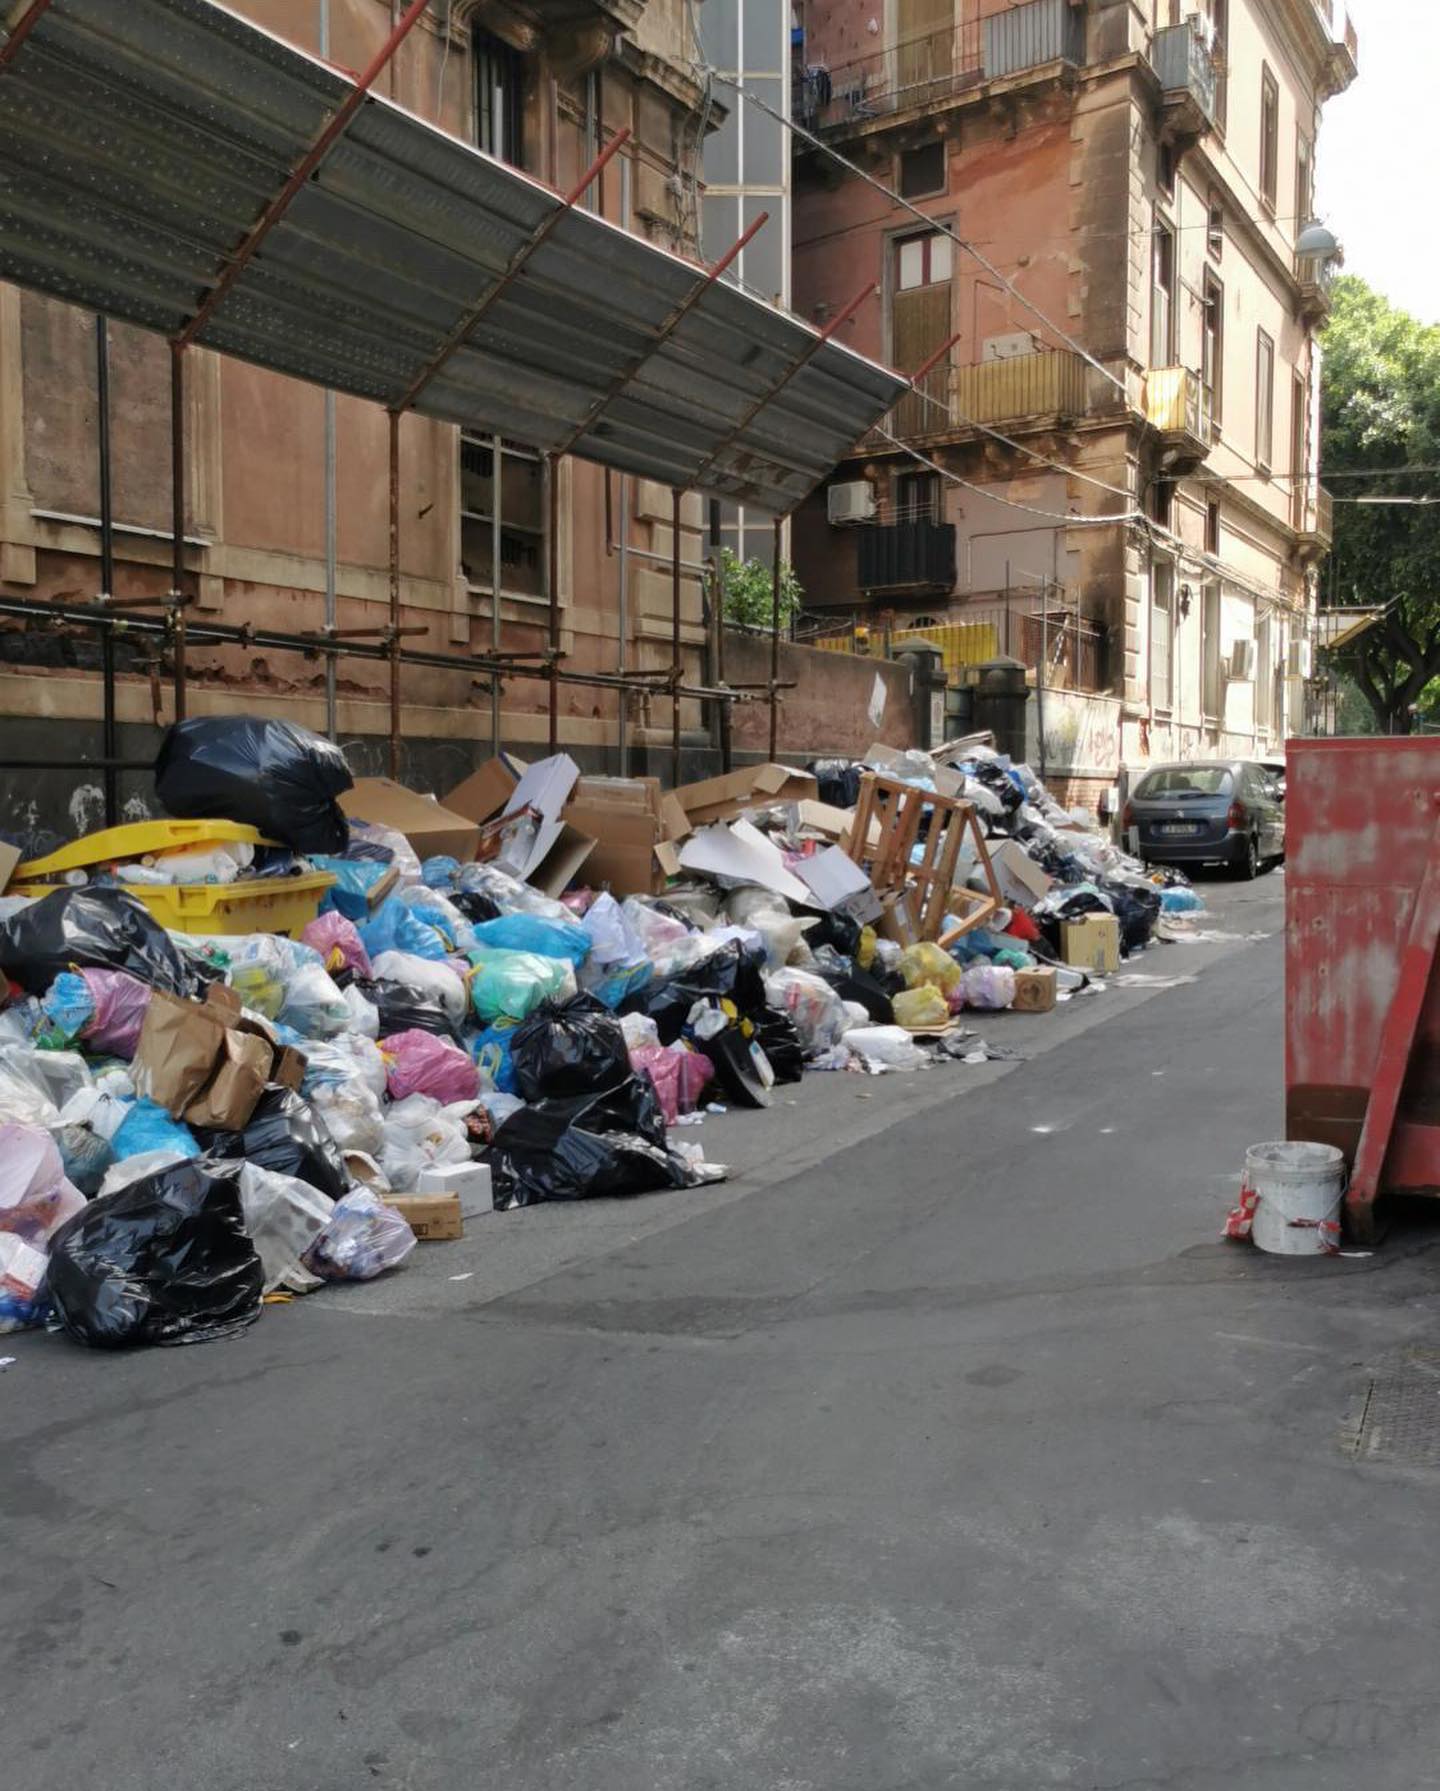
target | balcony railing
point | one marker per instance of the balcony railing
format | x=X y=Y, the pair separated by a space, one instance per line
x=923 y=70
x=1186 y=72
x=1005 y=391
x=1175 y=401
x=1313 y=513
x=906 y=556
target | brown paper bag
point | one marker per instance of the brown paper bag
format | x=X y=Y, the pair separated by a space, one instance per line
x=178 y=1051
x=239 y=1081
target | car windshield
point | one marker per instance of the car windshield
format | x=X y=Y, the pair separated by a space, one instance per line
x=1184 y=780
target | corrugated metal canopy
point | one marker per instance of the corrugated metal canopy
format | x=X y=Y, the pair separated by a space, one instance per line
x=139 y=142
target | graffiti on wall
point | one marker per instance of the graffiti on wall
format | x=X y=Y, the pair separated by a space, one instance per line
x=1082 y=733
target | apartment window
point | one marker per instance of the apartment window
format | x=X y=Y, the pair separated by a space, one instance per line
x=522 y=516
x=1162 y=633
x=1264 y=402
x=1212 y=348
x=1304 y=181
x=920 y=324
x=917 y=497
x=1212 y=530
x=1162 y=299
x=499 y=98
x=1269 y=138
x=1215 y=228
x=1211 y=688
x=1165 y=169
x=1218 y=13
x=1162 y=491
x=1299 y=446
x=922 y=170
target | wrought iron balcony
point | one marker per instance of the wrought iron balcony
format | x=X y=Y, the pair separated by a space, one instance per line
x=1185 y=70
x=1316 y=277
x=897 y=557
x=1314 y=517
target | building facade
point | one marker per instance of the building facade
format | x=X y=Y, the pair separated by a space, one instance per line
x=286 y=525
x=1110 y=468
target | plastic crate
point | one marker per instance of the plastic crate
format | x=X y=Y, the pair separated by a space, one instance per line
x=253 y=905
x=137 y=839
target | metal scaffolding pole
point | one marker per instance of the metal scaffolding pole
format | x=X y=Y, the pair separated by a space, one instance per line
x=177 y=520
x=775 y=647
x=394 y=632
x=20 y=31
x=552 y=584
x=109 y=730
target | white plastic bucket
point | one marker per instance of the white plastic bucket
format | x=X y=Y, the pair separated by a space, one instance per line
x=1298 y=1190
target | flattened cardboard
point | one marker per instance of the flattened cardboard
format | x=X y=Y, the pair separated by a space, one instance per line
x=545 y=786
x=1035 y=990
x=1022 y=882
x=432 y=831
x=754 y=786
x=623 y=854
x=837 y=883
x=434 y=1218
x=9 y=858
x=485 y=792
x=560 y=852
x=742 y=854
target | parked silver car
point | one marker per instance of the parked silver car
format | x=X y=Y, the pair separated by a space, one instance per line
x=1226 y=811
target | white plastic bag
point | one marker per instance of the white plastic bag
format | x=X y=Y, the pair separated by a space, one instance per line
x=363 y=1238
x=131 y=1169
x=35 y=1196
x=419 y=1132
x=284 y=1216
x=313 y=1005
x=35 y=1085
x=817 y=1012
x=984 y=985
x=885 y=1048
x=364 y=1015
x=352 y=1112
x=640 y=1030
x=433 y=977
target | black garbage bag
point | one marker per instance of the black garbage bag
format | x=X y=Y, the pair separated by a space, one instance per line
x=743 y=1073
x=84 y=1156
x=872 y=989
x=405 y=1009
x=1066 y=904
x=611 y=1143
x=285 y=1135
x=568 y=1048
x=475 y=905
x=165 y=1260
x=266 y=774
x=838 y=781
x=835 y=930
x=1137 y=908
x=999 y=782
x=92 y=929
x=733 y=973
x=776 y=1036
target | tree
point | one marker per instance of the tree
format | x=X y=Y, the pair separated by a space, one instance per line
x=748 y=594
x=1380 y=387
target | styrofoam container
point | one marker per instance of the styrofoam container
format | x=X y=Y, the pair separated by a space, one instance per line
x=471 y=1181
x=1299 y=1188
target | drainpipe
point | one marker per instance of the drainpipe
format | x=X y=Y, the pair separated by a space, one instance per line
x=110 y=734
x=331 y=604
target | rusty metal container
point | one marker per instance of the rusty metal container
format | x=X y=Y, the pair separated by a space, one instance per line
x=1362 y=1005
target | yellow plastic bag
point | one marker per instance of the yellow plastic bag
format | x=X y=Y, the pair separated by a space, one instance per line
x=865 y=950
x=920 y=1007
x=926 y=963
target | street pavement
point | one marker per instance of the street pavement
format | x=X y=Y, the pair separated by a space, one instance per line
x=944 y=1446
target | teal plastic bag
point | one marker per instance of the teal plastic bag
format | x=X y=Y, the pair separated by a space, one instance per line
x=508 y=985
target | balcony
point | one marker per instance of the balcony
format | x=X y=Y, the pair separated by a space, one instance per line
x=917 y=558
x=1315 y=276
x=1176 y=407
x=1185 y=70
x=1022 y=388
x=1314 y=520
x=922 y=73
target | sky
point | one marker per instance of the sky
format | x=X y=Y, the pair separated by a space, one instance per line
x=1378 y=151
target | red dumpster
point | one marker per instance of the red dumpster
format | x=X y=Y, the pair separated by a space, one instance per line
x=1362 y=1002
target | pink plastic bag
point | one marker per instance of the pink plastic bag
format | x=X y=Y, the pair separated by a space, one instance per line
x=420 y=1063
x=120 y=1004
x=35 y=1197
x=662 y=1066
x=338 y=942
x=696 y=1074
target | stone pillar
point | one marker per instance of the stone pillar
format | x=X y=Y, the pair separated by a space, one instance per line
x=1000 y=695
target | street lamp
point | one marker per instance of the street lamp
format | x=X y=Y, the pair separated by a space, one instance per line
x=1316 y=239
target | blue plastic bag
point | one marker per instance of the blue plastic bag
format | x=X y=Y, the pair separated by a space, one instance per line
x=354 y=879
x=396 y=927
x=147 y=1127
x=440 y=872
x=1172 y=901
x=491 y=1051
x=69 y=1008
x=622 y=981
x=528 y=932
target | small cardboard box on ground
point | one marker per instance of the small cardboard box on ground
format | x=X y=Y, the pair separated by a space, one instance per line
x=434 y=1218
x=1034 y=990
x=1092 y=943
x=432 y=831
x=470 y=1182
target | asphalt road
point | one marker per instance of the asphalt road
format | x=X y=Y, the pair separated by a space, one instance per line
x=945 y=1446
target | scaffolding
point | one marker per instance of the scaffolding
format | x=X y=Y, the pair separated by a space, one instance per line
x=632 y=411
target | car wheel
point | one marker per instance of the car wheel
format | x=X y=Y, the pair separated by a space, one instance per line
x=1247 y=866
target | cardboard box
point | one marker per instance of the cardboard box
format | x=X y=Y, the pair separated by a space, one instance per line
x=755 y=786
x=837 y=883
x=1091 y=944
x=485 y=792
x=434 y=1218
x=470 y=1182
x=432 y=831
x=1021 y=881
x=1034 y=990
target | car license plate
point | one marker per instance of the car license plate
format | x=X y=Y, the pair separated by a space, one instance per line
x=1175 y=830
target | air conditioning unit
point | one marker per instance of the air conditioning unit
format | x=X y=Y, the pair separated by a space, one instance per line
x=1242 y=662
x=854 y=501
x=1299 y=659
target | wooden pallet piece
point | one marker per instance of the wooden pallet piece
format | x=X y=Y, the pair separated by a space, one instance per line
x=920 y=891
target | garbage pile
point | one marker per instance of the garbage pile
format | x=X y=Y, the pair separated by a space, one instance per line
x=272 y=1042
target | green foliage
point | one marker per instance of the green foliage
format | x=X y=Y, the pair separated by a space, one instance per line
x=1381 y=408
x=749 y=595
